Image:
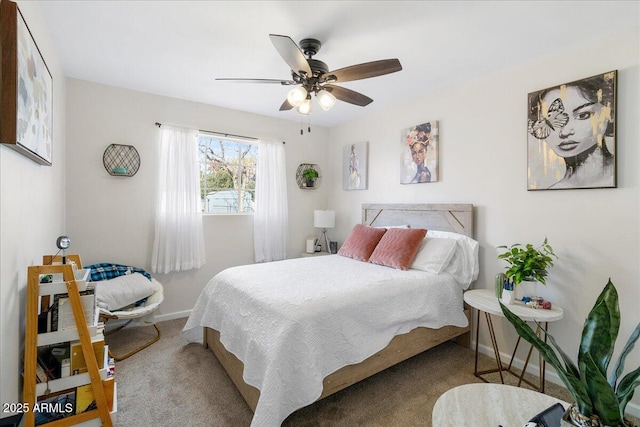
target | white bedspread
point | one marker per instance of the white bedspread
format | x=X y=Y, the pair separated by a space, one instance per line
x=294 y=322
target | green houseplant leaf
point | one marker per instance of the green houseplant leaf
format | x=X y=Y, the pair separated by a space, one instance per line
x=604 y=400
x=528 y=262
x=573 y=383
x=310 y=173
x=625 y=391
x=597 y=337
x=617 y=371
x=568 y=363
x=587 y=383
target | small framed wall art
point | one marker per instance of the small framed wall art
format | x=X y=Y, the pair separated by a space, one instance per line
x=419 y=161
x=571 y=138
x=26 y=89
x=354 y=166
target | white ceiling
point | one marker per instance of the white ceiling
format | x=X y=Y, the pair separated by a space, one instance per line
x=178 y=48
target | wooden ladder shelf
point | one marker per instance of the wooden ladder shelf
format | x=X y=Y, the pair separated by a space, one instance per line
x=83 y=334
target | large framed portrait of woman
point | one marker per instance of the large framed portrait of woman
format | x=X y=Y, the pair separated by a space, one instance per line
x=419 y=161
x=571 y=139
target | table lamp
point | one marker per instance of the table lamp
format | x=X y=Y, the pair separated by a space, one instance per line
x=63 y=243
x=324 y=219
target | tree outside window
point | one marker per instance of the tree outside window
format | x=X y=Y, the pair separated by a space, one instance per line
x=227 y=174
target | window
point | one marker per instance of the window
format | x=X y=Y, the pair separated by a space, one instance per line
x=227 y=174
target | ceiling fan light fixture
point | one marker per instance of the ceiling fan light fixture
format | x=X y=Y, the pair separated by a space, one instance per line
x=305 y=107
x=325 y=99
x=297 y=96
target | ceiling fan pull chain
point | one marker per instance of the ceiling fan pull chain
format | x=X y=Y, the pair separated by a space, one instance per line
x=301 y=131
x=309 y=124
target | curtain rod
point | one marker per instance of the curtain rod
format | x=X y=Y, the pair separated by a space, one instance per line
x=222 y=133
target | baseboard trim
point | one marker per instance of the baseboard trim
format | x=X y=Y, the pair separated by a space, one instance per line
x=112 y=324
x=534 y=369
x=172 y=316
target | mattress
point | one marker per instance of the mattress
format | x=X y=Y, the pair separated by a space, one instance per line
x=293 y=322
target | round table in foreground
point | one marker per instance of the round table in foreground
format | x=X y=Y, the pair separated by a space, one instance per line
x=489 y=405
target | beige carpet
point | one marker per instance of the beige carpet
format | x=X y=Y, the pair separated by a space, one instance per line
x=172 y=384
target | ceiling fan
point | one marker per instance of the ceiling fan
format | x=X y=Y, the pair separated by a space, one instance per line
x=313 y=76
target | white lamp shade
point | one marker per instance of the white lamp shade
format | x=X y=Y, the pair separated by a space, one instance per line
x=297 y=96
x=325 y=99
x=324 y=219
x=305 y=107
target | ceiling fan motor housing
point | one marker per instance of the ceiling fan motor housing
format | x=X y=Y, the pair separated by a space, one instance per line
x=318 y=67
x=310 y=47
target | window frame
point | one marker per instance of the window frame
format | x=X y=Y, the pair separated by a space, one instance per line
x=239 y=141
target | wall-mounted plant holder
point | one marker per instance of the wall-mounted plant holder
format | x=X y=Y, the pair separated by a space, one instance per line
x=308 y=176
x=121 y=160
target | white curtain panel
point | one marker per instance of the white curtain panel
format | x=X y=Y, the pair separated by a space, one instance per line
x=179 y=240
x=271 y=216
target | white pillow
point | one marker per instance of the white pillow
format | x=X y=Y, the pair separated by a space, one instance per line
x=463 y=266
x=123 y=290
x=434 y=254
x=393 y=226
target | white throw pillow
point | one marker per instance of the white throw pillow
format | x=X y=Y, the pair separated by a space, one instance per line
x=123 y=290
x=464 y=266
x=434 y=254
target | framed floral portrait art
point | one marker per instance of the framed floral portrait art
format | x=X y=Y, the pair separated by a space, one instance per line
x=419 y=159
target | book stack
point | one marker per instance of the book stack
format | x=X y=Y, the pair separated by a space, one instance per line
x=59 y=315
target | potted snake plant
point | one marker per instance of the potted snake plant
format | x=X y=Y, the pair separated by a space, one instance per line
x=598 y=401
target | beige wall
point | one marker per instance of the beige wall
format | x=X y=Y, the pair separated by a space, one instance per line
x=111 y=219
x=483 y=160
x=32 y=214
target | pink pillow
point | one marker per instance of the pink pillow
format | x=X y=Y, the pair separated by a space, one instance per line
x=398 y=247
x=361 y=242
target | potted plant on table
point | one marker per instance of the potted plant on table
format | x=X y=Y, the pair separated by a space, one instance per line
x=527 y=263
x=598 y=401
x=310 y=175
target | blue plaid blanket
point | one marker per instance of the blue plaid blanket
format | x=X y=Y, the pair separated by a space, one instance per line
x=107 y=271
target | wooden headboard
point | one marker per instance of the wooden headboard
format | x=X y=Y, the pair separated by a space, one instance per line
x=444 y=217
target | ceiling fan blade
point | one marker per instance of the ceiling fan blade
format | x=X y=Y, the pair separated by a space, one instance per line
x=281 y=82
x=291 y=54
x=364 y=71
x=286 y=106
x=348 y=95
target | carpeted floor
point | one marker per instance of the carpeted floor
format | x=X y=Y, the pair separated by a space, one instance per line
x=172 y=384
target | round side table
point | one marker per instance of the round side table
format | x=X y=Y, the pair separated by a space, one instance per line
x=489 y=405
x=484 y=300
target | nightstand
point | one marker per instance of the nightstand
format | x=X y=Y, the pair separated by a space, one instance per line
x=485 y=300
x=306 y=254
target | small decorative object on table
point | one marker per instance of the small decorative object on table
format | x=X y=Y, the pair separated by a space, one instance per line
x=598 y=401
x=499 y=284
x=507 y=296
x=536 y=302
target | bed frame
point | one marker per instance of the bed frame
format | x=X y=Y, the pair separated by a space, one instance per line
x=445 y=217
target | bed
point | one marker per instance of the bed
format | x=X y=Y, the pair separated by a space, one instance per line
x=333 y=320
